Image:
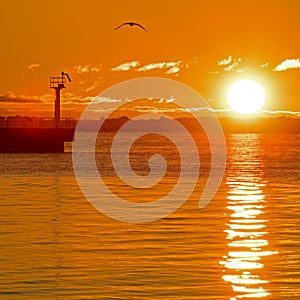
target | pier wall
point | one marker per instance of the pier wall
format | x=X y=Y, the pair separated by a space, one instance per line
x=29 y=135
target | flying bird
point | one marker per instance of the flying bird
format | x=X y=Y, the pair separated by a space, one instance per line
x=131 y=24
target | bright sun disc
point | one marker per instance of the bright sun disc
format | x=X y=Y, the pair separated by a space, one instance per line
x=246 y=96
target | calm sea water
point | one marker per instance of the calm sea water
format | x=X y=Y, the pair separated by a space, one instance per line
x=245 y=244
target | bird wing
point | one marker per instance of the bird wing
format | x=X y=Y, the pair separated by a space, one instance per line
x=131 y=23
x=120 y=26
x=141 y=26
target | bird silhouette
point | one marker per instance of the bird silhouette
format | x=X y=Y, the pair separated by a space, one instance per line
x=131 y=24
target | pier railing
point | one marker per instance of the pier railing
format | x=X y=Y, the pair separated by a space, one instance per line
x=34 y=122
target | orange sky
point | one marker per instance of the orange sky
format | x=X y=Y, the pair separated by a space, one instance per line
x=205 y=44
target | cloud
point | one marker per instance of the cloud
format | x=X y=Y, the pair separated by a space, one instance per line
x=145 y=108
x=92 y=87
x=225 y=61
x=228 y=65
x=173 y=70
x=288 y=64
x=169 y=100
x=70 y=98
x=10 y=97
x=280 y=112
x=238 y=65
x=233 y=66
x=105 y=100
x=33 y=66
x=79 y=69
x=264 y=65
x=48 y=98
x=171 y=66
x=126 y=66
x=178 y=109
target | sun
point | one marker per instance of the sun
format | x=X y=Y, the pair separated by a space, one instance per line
x=246 y=96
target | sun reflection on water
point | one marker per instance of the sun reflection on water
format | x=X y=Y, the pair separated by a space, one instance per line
x=246 y=225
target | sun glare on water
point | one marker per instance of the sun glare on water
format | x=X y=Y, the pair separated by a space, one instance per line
x=246 y=96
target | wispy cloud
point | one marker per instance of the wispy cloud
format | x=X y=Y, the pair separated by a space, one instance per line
x=145 y=108
x=171 y=66
x=229 y=64
x=33 y=66
x=10 y=97
x=233 y=66
x=70 y=98
x=92 y=87
x=48 y=98
x=264 y=65
x=237 y=65
x=85 y=69
x=225 y=61
x=288 y=64
x=280 y=112
x=126 y=66
x=173 y=70
x=105 y=100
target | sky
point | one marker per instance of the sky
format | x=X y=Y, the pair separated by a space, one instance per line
x=207 y=45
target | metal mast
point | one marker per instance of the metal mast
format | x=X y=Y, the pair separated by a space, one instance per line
x=58 y=83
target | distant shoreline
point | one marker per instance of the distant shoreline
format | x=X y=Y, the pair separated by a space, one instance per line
x=229 y=125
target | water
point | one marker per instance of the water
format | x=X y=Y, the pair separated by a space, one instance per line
x=245 y=244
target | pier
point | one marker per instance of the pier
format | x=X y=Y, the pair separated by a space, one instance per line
x=39 y=135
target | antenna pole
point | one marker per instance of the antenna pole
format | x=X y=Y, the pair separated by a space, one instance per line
x=89 y=89
x=57 y=107
x=58 y=83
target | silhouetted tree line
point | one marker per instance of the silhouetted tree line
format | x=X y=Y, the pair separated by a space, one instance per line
x=229 y=125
